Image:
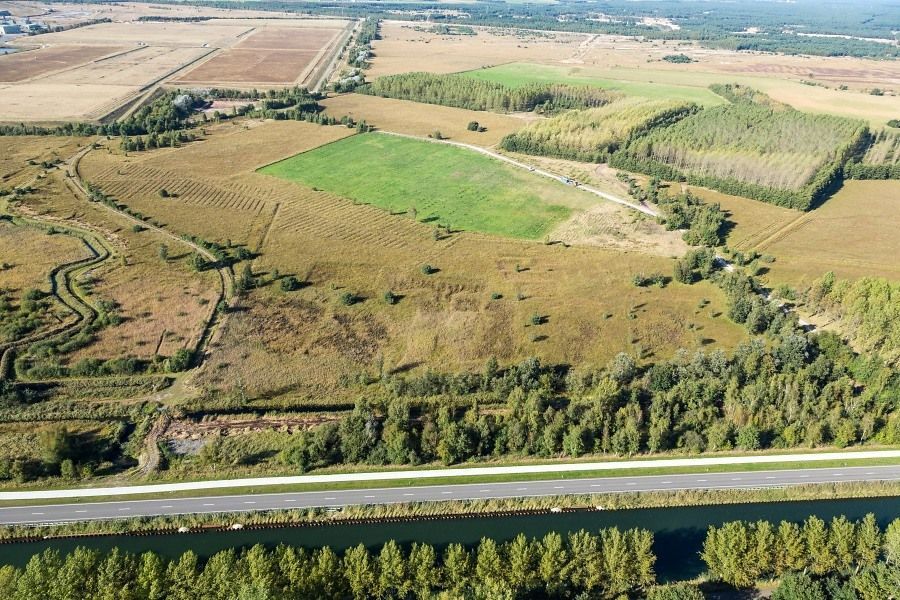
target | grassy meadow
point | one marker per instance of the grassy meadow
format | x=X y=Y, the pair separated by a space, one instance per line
x=519 y=74
x=464 y=190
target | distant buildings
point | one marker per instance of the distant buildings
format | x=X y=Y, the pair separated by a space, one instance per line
x=25 y=26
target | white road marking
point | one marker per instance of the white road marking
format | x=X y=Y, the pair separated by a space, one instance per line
x=37 y=513
x=249 y=502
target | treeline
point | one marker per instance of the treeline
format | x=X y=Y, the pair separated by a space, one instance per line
x=610 y=564
x=592 y=135
x=794 y=389
x=171 y=114
x=751 y=147
x=471 y=93
x=842 y=559
x=867 y=309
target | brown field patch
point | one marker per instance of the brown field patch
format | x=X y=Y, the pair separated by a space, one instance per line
x=402 y=49
x=40 y=101
x=215 y=34
x=33 y=63
x=288 y=38
x=414 y=118
x=242 y=66
x=137 y=68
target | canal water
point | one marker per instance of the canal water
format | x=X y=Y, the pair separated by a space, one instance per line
x=679 y=532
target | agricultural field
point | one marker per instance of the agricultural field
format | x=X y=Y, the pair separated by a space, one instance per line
x=853 y=234
x=34 y=63
x=466 y=191
x=267 y=56
x=100 y=68
x=413 y=118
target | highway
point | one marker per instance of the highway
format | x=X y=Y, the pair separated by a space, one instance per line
x=95 y=511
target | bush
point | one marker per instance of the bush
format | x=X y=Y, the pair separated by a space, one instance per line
x=348 y=299
x=289 y=284
x=428 y=269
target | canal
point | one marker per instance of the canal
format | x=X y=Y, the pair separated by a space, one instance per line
x=679 y=532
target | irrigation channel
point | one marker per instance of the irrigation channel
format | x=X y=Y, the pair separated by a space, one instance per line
x=679 y=531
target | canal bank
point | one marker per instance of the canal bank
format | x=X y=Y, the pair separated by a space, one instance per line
x=679 y=532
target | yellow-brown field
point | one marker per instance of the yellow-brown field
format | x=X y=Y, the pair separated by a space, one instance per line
x=216 y=194
x=854 y=233
x=413 y=118
x=299 y=344
x=163 y=304
x=267 y=56
x=22 y=269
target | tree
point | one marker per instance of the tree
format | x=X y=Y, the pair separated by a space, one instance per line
x=457 y=567
x=552 y=563
x=392 y=580
x=357 y=567
x=868 y=542
x=799 y=586
x=56 y=445
x=522 y=559
x=892 y=543
x=423 y=571
x=473 y=126
x=289 y=284
x=163 y=252
x=197 y=262
x=821 y=555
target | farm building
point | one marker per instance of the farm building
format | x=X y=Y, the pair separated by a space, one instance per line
x=10 y=29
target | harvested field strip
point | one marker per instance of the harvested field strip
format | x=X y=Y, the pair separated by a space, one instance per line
x=44 y=61
x=147 y=181
x=325 y=216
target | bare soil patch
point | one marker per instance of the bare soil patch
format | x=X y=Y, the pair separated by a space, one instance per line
x=245 y=66
x=32 y=63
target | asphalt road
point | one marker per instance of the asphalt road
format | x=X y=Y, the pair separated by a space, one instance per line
x=598 y=485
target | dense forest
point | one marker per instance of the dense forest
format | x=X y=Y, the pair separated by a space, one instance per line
x=605 y=565
x=815 y=560
x=868 y=310
x=475 y=94
x=593 y=134
x=881 y=160
x=751 y=147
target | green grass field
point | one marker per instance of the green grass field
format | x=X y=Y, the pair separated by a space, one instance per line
x=519 y=74
x=462 y=189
